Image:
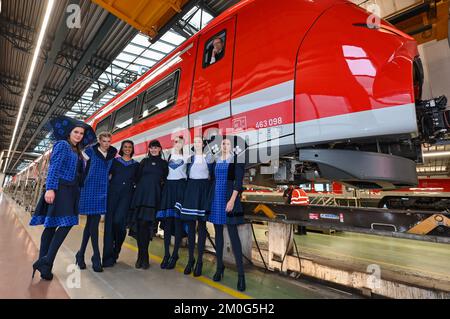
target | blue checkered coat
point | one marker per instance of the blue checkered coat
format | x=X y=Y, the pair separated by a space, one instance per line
x=94 y=193
x=63 y=165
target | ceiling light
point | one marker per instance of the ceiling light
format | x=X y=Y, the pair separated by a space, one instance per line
x=436 y=154
x=48 y=11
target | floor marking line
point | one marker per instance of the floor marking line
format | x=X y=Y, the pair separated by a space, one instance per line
x=203 y=279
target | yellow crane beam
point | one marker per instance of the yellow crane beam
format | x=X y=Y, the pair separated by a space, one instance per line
x=148 y=16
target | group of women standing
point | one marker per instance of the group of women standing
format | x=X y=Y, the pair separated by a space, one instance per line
x=186 y=189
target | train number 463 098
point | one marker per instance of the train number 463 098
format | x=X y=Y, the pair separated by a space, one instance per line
x=270 y=122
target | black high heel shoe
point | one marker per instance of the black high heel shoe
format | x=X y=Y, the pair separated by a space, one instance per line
x=172 y=262
x=79 y=260
x=219 y=274
x=44 y=267
x=198 y=269
x=164 y=262
x=96 y=264
x=189 y=266
x=138 y=264
x=241 y=283
x=145 y=263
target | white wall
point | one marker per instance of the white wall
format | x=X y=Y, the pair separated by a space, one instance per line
x=435 y=57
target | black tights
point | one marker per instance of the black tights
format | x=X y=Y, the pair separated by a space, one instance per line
x=201 y=239
x=235 y=245
x=169 y=223
x=91 y=231
x=51 y=240
x=143 y=238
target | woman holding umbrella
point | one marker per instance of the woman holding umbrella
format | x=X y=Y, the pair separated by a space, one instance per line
x=57 y=209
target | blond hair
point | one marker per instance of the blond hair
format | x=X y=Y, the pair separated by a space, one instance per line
x=104 y=135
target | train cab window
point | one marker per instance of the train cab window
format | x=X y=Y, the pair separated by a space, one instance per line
x=214 y=49
x=103 y=125
x=161 y=95
x=124 y=116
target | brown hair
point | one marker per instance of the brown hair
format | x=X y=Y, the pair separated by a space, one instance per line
x=180 y=137
x=76 y=148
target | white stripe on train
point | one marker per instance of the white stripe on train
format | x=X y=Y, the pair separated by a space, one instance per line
x=391 y=120
x=399 y=119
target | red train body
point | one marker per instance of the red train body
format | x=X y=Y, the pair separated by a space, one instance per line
x=338 y=97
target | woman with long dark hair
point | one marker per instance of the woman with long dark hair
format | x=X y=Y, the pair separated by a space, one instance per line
x=123 y=174
x=146 y=199
x=194 y=208
x=173 y=192
x=93 y=197
x=57 y=209
x=226 y=207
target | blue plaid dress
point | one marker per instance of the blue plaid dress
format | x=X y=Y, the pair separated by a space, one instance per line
x=218 y=214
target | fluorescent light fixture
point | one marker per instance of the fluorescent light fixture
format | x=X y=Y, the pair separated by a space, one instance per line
x=426 y=189
x=126 y=123
x=48 y=11
x=162 y=104
x=436 y=154
x=431 y=169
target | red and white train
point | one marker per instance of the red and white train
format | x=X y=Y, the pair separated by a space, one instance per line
x=341 y=98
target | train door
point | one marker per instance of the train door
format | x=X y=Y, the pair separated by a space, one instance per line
x=210 y=102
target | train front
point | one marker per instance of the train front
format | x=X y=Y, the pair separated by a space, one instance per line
x=359 y=114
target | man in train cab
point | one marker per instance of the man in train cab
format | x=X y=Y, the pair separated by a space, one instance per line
x=215 y=51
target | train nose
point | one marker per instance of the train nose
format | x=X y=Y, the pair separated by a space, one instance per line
x=358 y=82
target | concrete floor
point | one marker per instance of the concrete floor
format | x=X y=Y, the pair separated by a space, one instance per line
x=123 y=280
x=18 y=252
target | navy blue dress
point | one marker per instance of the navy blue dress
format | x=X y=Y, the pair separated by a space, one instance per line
x=174 y=187
x=121 y=186
x=197 y=195
x=64 y=177
x=146 y=201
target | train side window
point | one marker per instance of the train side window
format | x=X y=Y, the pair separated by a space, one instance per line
x=124 y=116
x=103 y=125
x=214 y=49
x=161 y=95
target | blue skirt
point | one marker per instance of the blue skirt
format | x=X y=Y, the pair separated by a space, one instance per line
x=196 y=200
x=173 y=192
x=64 y=210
